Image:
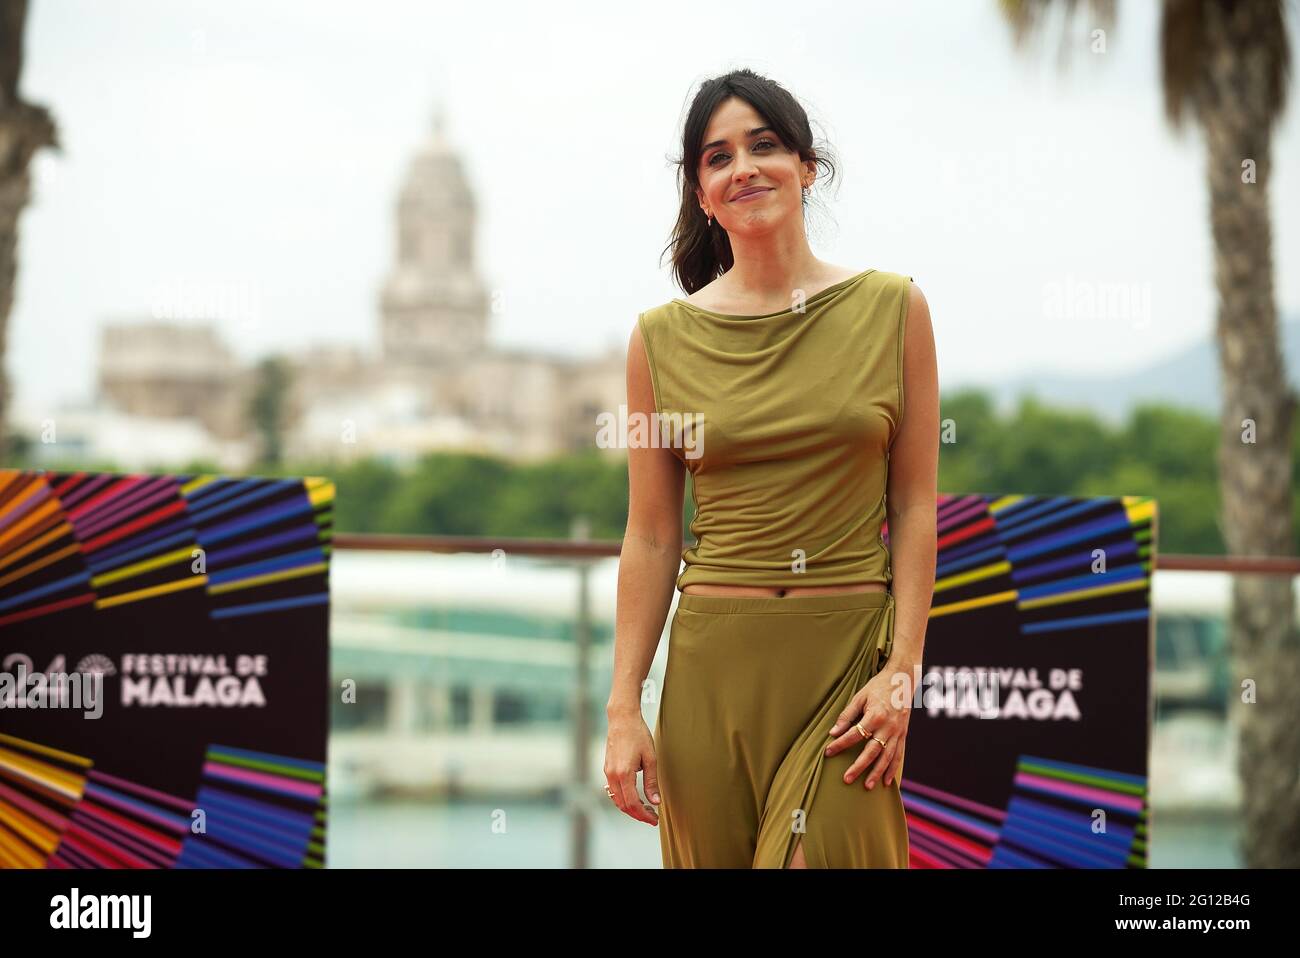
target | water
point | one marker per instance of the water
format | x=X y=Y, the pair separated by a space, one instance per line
x=406 y=834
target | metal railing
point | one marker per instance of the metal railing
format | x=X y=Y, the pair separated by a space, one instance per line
x=582 y=548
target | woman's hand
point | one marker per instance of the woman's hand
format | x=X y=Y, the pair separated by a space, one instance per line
x=630 y=748
x=885 y=715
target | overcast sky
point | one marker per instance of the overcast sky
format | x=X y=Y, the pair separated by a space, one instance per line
x=254 y=149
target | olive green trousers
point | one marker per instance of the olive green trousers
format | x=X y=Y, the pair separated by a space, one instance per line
x=752 y=687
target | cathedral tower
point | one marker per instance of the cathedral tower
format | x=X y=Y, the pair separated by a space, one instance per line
x=434 y=308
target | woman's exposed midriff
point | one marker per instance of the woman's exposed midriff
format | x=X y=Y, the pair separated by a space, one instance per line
x=780 y=591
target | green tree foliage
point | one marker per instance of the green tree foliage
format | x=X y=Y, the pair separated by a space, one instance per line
x=1035 y=449
x=267 y=407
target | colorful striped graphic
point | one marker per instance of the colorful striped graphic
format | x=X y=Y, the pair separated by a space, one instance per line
x=1073 y=816
x=1049 y=596
x=1048 y=557
x=252 y=545
x=261 y=810
x=39 y=788
x=202 y=603
x=119 y=824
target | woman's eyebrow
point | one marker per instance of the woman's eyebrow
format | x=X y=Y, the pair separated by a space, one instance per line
x=749 y=133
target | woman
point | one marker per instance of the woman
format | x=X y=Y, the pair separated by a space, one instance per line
x=779 y=382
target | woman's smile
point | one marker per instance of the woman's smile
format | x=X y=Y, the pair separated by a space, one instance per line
x=752 y=196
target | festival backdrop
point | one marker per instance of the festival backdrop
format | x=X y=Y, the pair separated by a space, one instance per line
x=202 y=602
x=1045 y=764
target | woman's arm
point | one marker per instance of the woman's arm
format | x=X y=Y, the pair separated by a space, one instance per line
x=911 y=497
x=652 y=545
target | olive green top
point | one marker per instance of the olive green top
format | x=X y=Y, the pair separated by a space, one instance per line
x=784 y=422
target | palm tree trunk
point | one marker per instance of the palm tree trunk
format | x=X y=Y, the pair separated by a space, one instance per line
x=24 y=129
x=1254 y=466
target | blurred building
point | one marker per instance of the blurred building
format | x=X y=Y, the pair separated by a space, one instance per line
x=168 y=370
x=166 y=395
x=436 y=381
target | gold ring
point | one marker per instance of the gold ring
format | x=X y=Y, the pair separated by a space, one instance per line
x=882 y=744
x=858 y=726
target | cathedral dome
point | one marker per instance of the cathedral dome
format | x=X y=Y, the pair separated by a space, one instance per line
x=434 y=305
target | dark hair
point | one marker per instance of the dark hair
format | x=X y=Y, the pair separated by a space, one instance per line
x=700 y=252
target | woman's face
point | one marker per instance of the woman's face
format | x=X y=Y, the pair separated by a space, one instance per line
x=740 y=154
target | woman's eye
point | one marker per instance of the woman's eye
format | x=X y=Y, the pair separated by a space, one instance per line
x=715 y=156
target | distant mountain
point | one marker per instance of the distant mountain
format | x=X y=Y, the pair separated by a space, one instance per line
x=1189 y=378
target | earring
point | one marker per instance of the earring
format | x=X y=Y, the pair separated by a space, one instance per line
x=710 y=219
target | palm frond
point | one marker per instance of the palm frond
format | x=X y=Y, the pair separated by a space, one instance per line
x=1028 y=19
x=1187 y=45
